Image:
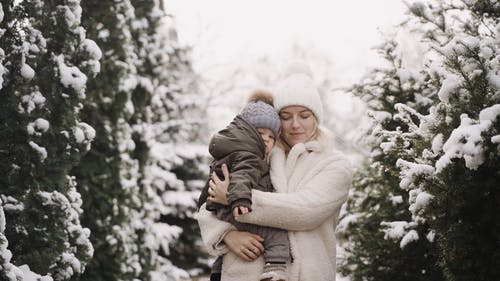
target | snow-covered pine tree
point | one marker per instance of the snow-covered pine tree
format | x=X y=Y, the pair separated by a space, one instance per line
x=168 y=130
x=371 y=252
x=453 y=181
x=138 y=105
x=45 y=59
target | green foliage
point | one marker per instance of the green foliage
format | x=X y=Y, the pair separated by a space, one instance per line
x=188 y=253
x=42 y=136
x=107 y=202
x=142 y=156
x=445 y=150
x=138 y=106
x=377 y=197
x=465 y=194
x=370 y=256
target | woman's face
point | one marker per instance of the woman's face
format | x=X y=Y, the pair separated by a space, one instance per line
x=297 y=124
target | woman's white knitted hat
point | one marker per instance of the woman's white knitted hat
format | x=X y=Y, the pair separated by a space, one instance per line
x=298 y=88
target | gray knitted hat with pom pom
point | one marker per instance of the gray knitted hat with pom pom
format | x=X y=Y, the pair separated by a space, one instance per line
x=262 y=115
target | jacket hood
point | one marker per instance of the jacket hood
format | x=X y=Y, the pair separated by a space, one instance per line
x=239 y=135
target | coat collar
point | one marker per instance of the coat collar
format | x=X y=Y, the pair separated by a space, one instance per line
x=296 y=151
x=283 y=165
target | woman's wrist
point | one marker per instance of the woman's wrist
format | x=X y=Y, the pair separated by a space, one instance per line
x=221 y=244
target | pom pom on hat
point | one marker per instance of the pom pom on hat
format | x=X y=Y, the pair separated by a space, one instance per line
x=261 y=95
x=298 y=88
x=260 y=113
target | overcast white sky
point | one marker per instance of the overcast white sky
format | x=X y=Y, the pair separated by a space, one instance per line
x=231 y=31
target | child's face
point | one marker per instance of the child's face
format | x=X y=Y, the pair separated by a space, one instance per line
x=268 y=137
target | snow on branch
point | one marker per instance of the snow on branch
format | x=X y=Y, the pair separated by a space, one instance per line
x=466 y=141
x=397 y=230
x=405 y=113
x=71 y=76
x=410 y=171
x=10 y=270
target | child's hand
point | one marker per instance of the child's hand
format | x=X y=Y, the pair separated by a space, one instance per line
x=240 y=210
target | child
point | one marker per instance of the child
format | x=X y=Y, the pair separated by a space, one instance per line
x=244 y=146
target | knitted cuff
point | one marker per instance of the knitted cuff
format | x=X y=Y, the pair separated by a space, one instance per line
x=274 y=271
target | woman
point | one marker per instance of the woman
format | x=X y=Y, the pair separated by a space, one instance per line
x=312 y=182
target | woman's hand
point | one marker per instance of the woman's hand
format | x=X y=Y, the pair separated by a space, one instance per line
x=218 y=188
x=248 y=246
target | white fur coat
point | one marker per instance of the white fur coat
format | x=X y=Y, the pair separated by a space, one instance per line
x=312 y=184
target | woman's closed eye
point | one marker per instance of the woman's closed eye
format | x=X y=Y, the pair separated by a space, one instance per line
x=305 y=116
x=285 y=116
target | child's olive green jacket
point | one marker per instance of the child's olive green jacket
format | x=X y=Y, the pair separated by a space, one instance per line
x=242 y=149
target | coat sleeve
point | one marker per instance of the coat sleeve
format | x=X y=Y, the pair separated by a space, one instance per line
x=213 y=231
x=244 y=174
x=306 y=209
